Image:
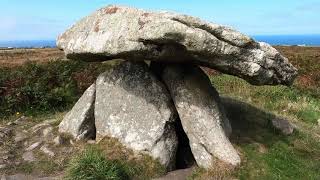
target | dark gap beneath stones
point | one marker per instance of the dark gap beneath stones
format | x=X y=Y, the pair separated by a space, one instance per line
x=184 y=156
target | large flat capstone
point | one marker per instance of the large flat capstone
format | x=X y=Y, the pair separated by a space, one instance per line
x=134 y=34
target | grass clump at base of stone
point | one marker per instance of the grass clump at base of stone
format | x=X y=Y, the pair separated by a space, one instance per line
x=220 y=170
x=109 y=159
x=91 y=164
x=139 y=166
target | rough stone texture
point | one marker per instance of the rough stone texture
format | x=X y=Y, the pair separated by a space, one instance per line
x=47 y=151
x=79 y=122
x=134 y=34
x=283 y=125
x=199 y=108
x=28 y=156
x=20 y=136
x=58 y=141
x=133 y=106
x=33 y=146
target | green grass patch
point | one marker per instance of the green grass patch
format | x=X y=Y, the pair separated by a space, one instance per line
x=281 y=100
x=91 y=165
x=288 y=158
x=265 y=152
x=309 y=115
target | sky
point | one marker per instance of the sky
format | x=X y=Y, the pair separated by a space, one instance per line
x=45 y=19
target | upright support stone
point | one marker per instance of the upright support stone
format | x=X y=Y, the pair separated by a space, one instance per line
x=79 y=122
x=133 y=106
x=199 y=107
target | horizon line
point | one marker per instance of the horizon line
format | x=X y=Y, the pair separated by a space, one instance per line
x=251 y=35
x=248 y=35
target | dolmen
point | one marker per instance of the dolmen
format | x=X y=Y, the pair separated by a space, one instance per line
x=159 y=81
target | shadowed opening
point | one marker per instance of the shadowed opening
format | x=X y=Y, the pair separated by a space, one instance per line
x=184 y=156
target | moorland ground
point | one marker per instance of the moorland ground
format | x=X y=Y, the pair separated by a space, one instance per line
x=39 y=84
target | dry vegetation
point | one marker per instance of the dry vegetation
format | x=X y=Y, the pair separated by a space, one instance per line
x=15 y=57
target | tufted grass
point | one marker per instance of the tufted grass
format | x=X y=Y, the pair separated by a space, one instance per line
x=91 y=165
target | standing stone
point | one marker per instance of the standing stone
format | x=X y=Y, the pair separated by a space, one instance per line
x=79 y=122
x=201 y=114
x=133 y=106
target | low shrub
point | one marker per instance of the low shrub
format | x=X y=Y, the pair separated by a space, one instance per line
x=38 y=88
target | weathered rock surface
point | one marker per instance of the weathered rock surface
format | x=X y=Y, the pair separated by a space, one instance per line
x=134 y=34
x=20 y=136
x=28 y=156
x=133 y=106
x=79 y=122
x=47 y=151
x=202 y=118
x=283 y=125
x=33 y=146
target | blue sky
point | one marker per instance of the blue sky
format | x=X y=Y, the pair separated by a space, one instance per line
x=45 y=19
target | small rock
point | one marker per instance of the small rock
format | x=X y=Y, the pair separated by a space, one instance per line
x=10 y=123
x=47 y=131
x=28 y=156
x=71 y=142
x=47 y=151
x=50 y=121
x=58 y=141
x=5 y=157
x=38 y=127
x=91 y=141
x=25 y=143
x=33 y=146
x=283 y=125
x=2 y=166
x=83 y=135
x=261 y=148
x=318 y=122
x=20 y=119
x=20 y=137
x=4 y=131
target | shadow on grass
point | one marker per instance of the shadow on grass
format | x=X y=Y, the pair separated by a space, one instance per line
x=267 y=154
x=250 y=124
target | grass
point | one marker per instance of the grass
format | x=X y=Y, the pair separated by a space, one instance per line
x=109 y=159
x=266 y=153
x=281 y=100
x=92 y=165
